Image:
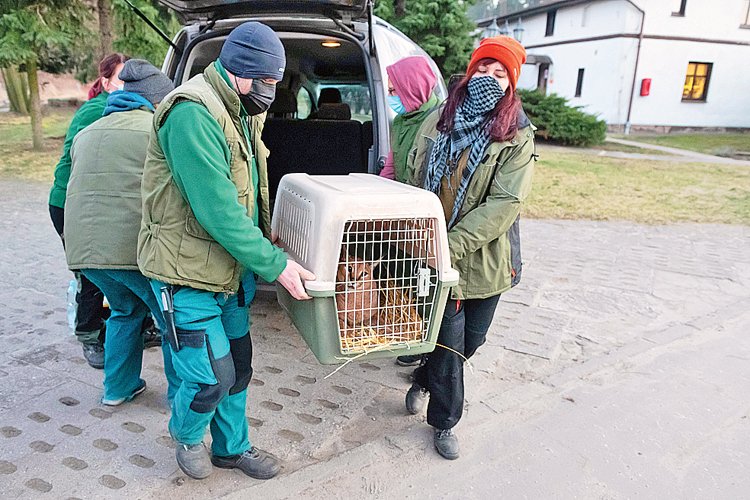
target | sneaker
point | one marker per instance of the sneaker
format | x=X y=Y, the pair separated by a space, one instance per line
x=254 y=462
x=446 y=443
x=411 y=360
x=416 y=399
x=194 y=460
x=94 y=354
x=118 y=402
x=151 y=337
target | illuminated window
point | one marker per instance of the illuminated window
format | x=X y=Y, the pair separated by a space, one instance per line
x=696 y=81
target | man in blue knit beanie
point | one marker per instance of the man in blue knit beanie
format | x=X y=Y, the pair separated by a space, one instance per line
x=205 y=235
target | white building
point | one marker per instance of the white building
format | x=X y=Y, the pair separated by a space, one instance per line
x=645 y=63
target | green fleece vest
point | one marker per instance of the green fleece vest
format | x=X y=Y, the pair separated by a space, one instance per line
x=172 y=246
x=103 y=201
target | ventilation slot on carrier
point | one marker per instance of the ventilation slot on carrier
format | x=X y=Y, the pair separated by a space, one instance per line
x=296 y=216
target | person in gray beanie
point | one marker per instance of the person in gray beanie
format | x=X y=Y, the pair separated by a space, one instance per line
x=205 y=234
x=143 y=86
x=102 y=220
x=143 y=78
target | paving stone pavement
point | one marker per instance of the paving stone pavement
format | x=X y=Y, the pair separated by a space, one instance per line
x=588 y=290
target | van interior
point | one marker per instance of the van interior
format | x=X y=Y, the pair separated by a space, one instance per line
x=321 y=120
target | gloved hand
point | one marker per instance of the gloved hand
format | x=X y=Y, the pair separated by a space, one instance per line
x=292 y=278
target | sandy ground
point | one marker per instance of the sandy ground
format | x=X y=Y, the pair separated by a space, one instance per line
x=617 y=369
x=52 y=87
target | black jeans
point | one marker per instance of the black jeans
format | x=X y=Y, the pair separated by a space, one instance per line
x=90 y=310
x=464 y=329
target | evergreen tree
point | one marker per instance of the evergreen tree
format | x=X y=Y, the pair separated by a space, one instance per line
x=135 y=38
x=120 y=29
x=441 y=27
x=36 y=34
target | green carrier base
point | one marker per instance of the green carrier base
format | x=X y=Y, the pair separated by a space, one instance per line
x=317 y=322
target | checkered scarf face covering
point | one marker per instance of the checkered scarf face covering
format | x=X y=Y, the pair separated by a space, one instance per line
x=470 y=130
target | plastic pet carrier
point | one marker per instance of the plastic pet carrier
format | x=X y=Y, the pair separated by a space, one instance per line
x=379 y=251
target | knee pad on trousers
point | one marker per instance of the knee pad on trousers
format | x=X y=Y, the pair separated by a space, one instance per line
x=209 y=396
x=242 y=356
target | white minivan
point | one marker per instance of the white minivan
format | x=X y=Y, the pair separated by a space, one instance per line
x=331 y=114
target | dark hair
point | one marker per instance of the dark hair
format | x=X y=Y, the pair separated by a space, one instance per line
x=107 y=68
x=502 y=121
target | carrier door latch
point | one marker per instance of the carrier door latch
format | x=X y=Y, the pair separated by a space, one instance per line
x=423 y=283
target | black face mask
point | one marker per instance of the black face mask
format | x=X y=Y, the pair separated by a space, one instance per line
x=260 y=97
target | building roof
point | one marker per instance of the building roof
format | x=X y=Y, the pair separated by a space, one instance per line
x=511 y=9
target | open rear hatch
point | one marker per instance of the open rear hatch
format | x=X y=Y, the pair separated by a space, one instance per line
x=196 y=10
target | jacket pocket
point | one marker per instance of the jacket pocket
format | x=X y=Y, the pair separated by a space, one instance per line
x=488 y=269
x=241 y=171
x=148 y=240
x=192 y=362
x=240 y=167
x=514 y=237
x=201 y=258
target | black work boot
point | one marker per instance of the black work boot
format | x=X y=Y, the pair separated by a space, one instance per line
x=254 y=462
x=446 y=443
x=410 y=360
x=416 y=399
x=94 y=354
x=151 y=333
x=152 y=338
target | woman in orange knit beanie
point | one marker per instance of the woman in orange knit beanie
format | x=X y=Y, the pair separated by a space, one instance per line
x=477 y=155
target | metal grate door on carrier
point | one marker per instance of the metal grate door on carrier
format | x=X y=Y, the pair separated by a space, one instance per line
x=385 y=283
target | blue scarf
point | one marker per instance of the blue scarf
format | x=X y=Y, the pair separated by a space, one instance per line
x=470 y=130
x=121 y=100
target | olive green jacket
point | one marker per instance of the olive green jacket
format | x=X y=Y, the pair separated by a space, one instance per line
x=484 y=243
x=173 y=245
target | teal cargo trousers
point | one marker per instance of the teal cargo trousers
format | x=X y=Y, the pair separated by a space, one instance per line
x=214 y=366
x=131 y=301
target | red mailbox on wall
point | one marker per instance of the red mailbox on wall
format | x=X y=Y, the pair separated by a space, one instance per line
x=645 y=86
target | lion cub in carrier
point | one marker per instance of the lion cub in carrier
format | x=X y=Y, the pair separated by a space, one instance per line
x=357 y=292
x=372 y=310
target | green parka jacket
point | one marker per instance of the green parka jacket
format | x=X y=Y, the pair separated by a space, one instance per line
x=484 y=243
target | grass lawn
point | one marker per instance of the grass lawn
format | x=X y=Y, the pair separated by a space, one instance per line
x=16 y=157
x=578 y=186
x=567 y=184
x=717 y=143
